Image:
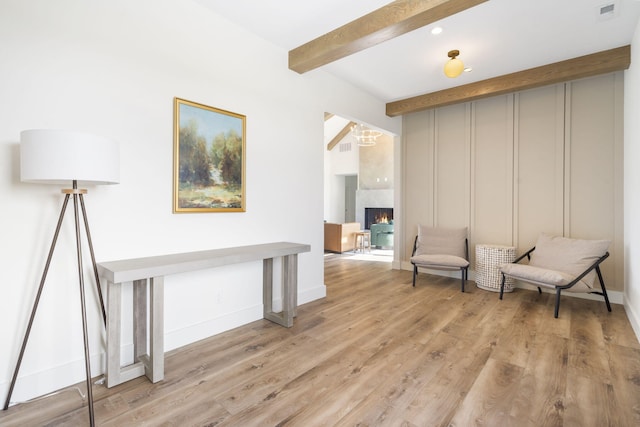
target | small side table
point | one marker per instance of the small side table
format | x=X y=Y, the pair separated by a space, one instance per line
x=488 y=260
x=362 y=240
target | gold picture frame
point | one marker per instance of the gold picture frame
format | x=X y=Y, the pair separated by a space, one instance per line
x=209 y=159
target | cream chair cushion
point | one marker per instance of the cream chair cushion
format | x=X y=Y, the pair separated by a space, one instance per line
x=556 y=261
x=441 y=247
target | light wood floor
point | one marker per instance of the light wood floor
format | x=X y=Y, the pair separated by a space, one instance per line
x=379 y=352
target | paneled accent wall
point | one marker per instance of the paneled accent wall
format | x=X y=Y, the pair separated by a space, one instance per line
x=492 y=170
x=451 y=167
x=512 y=166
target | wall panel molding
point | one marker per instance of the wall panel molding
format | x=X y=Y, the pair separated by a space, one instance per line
x=547 y=159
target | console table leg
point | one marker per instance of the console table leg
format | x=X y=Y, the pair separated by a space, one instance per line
x=289 y=278
x=156 y=321
x=114 y=302
x=294 y=283
x=289 y=297
x=139 y=319
x=267 y=287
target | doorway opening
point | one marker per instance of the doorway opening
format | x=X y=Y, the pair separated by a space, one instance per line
x=359 y=179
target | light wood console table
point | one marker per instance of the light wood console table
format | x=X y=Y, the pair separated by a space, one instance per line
x=149 y=272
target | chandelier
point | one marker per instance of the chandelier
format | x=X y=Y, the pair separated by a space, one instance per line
x=363 y=135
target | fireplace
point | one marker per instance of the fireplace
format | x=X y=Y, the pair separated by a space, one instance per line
x=377 y=216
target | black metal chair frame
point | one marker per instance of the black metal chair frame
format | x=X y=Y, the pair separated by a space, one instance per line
x=595 y=265
x=464 y=271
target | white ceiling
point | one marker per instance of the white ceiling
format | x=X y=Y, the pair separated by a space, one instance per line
x=494 y=38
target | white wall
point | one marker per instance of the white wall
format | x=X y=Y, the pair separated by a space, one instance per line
x=335 y=199
x=631 y=185
x=113 y=69
x=340 y=161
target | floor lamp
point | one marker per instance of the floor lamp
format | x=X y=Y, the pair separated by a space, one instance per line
x=65 y=157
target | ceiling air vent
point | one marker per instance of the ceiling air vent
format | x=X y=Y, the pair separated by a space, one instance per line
x=607 y=11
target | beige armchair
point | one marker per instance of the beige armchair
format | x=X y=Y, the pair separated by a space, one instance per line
x=441 y=249
x=561 y=264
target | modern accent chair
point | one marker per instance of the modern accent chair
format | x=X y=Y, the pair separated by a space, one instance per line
x=561 y=263
x=441 y=249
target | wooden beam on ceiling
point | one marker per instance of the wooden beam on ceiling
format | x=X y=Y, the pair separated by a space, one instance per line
x=339 y=136
x=393 y=20
x=584 y=66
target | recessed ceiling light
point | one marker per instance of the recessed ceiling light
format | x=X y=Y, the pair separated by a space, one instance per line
x=468 y=69
x=436 y=30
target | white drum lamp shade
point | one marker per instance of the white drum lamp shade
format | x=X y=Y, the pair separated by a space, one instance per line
x=60 y=156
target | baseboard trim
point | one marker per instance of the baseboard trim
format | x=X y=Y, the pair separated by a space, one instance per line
x=633 y=317
x=308 y=295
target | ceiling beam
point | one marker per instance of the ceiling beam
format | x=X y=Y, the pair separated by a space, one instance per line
x=339 y=136
x=393 y=20
x=584 y=66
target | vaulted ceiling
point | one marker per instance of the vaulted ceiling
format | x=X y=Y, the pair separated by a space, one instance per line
x=388 y=49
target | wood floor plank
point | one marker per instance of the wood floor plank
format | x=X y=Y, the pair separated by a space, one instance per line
x=540 y=398
x=560 y=326
x=191 y=406
x=41 y=411
x=517 y=339
x=616 y=328
x=306 y=390
x=352 y=389
x=490 y=398
x=587 y=349
x=471 y=311
x=625 y=370
x=379 y=352
x=363 y=331
x=386 y=404
x=438 y=400
x=590 y=403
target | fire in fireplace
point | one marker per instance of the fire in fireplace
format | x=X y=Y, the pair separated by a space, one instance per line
x=377 y=216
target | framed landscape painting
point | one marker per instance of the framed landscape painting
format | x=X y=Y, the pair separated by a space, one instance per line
x=209 y=159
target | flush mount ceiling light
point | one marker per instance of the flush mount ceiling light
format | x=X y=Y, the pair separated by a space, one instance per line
x=363 y=135
x=453 y=67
